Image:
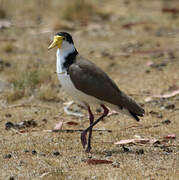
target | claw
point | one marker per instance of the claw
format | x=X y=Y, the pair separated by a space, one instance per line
x=83 y=139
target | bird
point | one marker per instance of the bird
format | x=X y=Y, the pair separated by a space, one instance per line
x=89 y=84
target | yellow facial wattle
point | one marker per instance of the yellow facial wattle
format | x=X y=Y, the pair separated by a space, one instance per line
x=57 y=41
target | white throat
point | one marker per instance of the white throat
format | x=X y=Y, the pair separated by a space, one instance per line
x=62 y=53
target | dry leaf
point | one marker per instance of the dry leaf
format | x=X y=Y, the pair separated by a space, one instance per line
x=4 y=24
x=170 y=10
x=142 y=140
x=148 y=99
x=44 y=174
x=167 y=95
x=137 y=140
x=24 y=131
x=129 y=25
x=170 y=136
x=98 y=161
x=149 y=63
x=58 y=125
x=71 y=123
x=127 y=141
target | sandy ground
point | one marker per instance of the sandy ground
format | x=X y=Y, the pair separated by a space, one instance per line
x=135 y=42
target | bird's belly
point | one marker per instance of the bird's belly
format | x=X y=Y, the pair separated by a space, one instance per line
x=69 y=88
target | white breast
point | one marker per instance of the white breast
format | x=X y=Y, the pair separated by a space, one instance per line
x=68 y=85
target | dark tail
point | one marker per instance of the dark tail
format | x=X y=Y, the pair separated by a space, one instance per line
x=135 y=116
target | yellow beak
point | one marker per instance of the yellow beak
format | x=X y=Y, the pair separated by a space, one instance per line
x=57 y=41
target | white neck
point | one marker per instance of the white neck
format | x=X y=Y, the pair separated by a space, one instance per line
x=62 y=53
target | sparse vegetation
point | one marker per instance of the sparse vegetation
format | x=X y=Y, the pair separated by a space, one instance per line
x=26 y=83
x=2 y=13
x=138 y=48
x=8 y=48
x=82 y=11
x=79 y=10
x=14 y=95
x=48 y=93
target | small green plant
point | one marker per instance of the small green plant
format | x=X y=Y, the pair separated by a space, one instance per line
x=8 y=48
x=27 y=80
x=48 y=93
x=14 y=94
x=25 y=83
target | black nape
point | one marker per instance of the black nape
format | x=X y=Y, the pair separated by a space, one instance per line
x=67 y=35
x=70 y=59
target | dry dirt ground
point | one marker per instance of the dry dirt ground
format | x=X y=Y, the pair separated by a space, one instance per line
x=136 y=42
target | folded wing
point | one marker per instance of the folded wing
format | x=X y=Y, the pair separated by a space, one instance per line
x=90 y=79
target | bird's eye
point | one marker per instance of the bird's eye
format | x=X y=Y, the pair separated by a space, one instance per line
x=64 y=38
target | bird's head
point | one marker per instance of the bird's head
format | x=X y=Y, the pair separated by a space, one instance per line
x=62 y=40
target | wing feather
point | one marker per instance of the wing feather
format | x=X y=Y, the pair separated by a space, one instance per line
x=90 y=79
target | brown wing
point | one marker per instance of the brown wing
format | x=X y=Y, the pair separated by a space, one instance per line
x=90 y=79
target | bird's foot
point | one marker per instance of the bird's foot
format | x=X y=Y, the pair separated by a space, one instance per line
x=88 y=149
x=83 y=139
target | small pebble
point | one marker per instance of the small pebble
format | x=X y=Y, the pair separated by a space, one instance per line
x=8 y=115
x=42 y=154
x=93 y=177
x=109 y=153
x=9 y=125
x=171 y=55
x=147 y=71
x=34 y=152
x=98 y=110
x=44 y=120
x=170 y=106
x=7 y=156
x=140 y=151
x=160 y=116
x=105 y=54
x=36 y=112
x=167 y=150
x=26 y=151
x=125 y=149
x=7 y=64
x=30 y=123
x=90 y=156
x=1 y=61
x=21 y=163
x=56 y=153
x=162 y=107
x=167 y=121
x=156 y=143
x=11 y=178
x=116 y=164
x=91 y=52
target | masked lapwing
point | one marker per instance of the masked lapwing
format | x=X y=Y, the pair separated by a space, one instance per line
x=87 y=83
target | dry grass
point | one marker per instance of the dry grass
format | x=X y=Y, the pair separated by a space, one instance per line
x=123 y=50
x=82 y=12
x=78 y=10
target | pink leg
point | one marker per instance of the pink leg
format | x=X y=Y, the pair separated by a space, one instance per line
x=91 y=118
x=83 y=134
